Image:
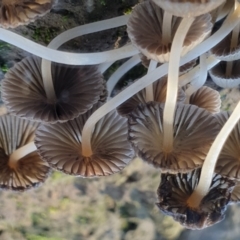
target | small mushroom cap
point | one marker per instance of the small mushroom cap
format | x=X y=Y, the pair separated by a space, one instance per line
x=188 y=8
x=160 y=92
x=228 y=163
x=223 y=50
x=30 y=171
x=18 y=12
x=175 y=189
x=76 y=89
x=60 y=145
x=218 y=75
x=148 y=37
x=206 y=98
x=194 y=131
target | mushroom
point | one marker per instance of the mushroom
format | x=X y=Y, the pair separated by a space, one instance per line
x=194 y=132
x=77 y=90
x=61 y=146
x=17 y=12
x=22 y=171
x=175 y=189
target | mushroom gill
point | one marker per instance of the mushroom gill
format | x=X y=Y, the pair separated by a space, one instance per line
x=175 y=189
x=77 y=89
x=28 y=171
x=61 y=146
x=194 y=131
x=17 y=12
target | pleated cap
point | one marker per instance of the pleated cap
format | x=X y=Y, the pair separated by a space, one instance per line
x=18 y=12
x=207 y=98
x=175 y=189
x=29 y=171
x=60 y=145
x=194 y=131
x=145 y=31
x=77 y=89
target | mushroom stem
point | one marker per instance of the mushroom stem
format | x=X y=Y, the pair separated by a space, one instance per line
x=200 y=80
x=231 y=21
x=112 y=81
x=210 y=162
x=172 y=84
x=234 y=43
x=20 y=153
x=167 y=28
x=149 y=88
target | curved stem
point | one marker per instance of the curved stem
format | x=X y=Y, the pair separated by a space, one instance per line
x=167 y=28
x=104 y=66
x=172 y=84
x=20 y=153
x=73 y=58
x=210 y=162
x=125 y=67
x=149 y=88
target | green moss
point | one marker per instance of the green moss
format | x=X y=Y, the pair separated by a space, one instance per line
x=37 y=237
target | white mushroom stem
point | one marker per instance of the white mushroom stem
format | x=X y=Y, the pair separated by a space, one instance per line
x=231 y=21
x=104 y=66
x=234 y=43
x=149 y=88
x=167 y=28
x=124 y=68
x=73 y=58
x=172 y=84
x=200 y=80
x=210 y=162
x=20 y=153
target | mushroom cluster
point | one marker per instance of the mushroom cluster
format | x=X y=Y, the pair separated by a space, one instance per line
x=60 y=117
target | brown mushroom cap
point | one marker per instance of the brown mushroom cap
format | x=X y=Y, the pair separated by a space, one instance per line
x=145 y=31
x=206 y=98
x=76 y=89
x=223 y=50
x=188 y=8
x=218 y=75
x=194 y=131
x=60 y=145
x=159 y=91
x=175 y=189
x=17 y=12
x=29 y=171
x=228 y=163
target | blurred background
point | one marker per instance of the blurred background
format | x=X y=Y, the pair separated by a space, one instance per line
x=117 y=207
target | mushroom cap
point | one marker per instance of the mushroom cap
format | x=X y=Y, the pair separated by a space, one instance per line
x=218 y=75
x=148 y=37
x=77 y=89
x=207 y=98
x=188 y=8
x=18 y=12
x=159 y=91
x=175 y=189
x=60 y=145
x=228 y=163
x=223 y=50
x=194 y=131
x=30 y=171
